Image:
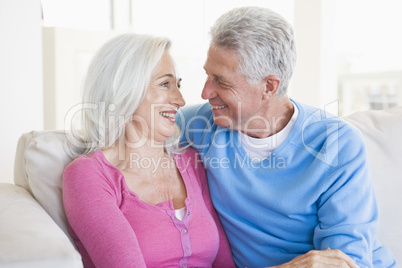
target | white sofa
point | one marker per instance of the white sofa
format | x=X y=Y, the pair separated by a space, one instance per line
x=33 y=226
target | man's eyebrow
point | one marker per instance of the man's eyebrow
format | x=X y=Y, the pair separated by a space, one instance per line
x=218 y=77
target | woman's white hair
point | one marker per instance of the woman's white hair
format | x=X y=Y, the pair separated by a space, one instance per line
x=116 y=82
x=263 y=41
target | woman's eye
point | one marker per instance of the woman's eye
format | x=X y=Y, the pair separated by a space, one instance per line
x=168 y=85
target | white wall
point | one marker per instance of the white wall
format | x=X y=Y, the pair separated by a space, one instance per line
x=21 y=91
x=67 y=53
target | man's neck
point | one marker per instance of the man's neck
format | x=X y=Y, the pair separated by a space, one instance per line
x=277 y=115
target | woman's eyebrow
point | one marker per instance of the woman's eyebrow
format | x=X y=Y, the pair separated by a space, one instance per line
x=165 y=75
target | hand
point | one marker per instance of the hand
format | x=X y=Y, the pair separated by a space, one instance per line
x=321 y=258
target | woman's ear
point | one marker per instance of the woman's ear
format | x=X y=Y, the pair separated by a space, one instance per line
x=272 y=83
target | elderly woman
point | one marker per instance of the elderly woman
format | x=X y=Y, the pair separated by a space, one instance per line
x=134 y=198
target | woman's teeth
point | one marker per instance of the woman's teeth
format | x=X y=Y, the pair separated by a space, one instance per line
x=168 y=115
x=219 y=107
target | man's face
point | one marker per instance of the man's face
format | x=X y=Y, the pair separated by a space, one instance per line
x=234 y=102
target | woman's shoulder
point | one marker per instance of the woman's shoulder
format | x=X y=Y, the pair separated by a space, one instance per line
x=188 y=155
x=190 y=163
x=89 y=166
x=191 y=152
x=85 y=162
x=92 y=172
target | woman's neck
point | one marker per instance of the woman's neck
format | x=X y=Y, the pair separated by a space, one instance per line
x=129 y=157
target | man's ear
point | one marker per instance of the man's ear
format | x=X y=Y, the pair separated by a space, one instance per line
x=272 y=83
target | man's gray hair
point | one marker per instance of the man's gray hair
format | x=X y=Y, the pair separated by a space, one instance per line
x=263 y=41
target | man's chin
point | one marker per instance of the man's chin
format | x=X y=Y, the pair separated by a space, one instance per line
x=224 y=121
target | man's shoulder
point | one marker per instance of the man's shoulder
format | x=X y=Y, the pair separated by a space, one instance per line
x=196 y=108
x=315 y=121
x=197 y=125
x=200 y=109
x=195 y=116
x=321 y=131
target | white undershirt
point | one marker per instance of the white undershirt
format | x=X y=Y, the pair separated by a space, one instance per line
x=179 y=213
x=259 y=149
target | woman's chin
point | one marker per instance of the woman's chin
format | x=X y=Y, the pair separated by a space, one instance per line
x=164 y=135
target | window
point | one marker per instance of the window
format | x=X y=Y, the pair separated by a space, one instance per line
x=369 y=54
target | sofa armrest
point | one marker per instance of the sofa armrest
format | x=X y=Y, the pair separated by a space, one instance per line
x=28 y=235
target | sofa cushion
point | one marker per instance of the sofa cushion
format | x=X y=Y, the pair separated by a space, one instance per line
x=40 y=161
x=382 y=131
x=28 y=236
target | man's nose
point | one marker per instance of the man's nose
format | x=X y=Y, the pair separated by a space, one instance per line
x=208 y=91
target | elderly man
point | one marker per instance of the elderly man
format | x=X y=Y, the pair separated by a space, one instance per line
x=287 y=179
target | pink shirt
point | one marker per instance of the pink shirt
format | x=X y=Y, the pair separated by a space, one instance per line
x=112 y=227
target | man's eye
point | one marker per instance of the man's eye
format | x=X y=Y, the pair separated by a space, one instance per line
x=221 y=84
x=166 y=84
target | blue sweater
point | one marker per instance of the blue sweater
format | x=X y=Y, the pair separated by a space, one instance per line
x=313 y=192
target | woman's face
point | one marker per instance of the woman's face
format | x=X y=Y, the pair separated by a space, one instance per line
x=155 y=116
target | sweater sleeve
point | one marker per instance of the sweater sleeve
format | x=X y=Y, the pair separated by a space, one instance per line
x=347 y=209
x=224 y=256
x=91 y=204
x=195 y=122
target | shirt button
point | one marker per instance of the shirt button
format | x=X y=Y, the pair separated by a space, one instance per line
x=187 y=250
x=184 y=266
x=184 y=230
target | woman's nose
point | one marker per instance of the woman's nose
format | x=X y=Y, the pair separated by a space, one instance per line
x=178 y=99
